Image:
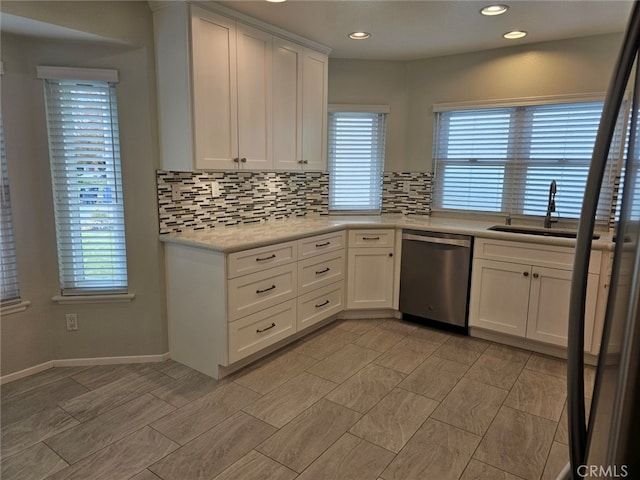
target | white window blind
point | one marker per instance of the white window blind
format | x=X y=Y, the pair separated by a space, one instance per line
x=84 y=151
x=356 y=161
x=10 y=292
x=504 y=159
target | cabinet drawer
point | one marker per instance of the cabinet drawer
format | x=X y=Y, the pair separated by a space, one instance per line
x=319 y=271
x=255 y=332
x=251 y=293
x=329 y=242
x=320 y=304
x=258 y=259
x=531 y=253
x=372 y=238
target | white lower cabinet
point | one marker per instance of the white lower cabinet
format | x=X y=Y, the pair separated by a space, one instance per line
x=320 y=304
x=529 y=300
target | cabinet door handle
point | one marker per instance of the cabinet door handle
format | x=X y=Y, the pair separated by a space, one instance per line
x=304 y=162
x=535 y=275
x=318 y=245
x=370 y=238
x=326 y=302
x=258 y=259
x=320 y=272
x=243 y=160
x=300 y=162
x=526 y=274
x=236 y=160
x=265 y=329
x=272 y=287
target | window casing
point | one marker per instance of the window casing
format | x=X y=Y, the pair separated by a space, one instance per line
x=356 y=160
x=502 y=160
x=9 y=289
x=84 y=152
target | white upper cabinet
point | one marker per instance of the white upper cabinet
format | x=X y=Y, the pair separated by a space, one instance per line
x=231 y=96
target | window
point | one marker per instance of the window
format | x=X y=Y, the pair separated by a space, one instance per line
x=10 y=293
x=84 y=151
x=356 y=160
x=504 y=159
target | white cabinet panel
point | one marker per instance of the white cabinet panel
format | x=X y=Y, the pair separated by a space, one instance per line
x=320 y=304
x=372 y=238
x=370 y=278
x=314 y=110
x=261 y=258
x=329 y=242
x=316 y=272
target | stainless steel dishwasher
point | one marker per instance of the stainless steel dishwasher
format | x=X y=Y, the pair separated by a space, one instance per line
x=434 y=277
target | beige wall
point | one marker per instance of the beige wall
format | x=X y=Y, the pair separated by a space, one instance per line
x=134 y=328
x=581 y=65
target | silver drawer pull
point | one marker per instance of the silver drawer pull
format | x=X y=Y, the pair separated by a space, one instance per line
x=371 y=238
x=272 y=287
x=318 y=245
x=258 y=259
x=320 y=272
x=326 y=302
x=265 y=329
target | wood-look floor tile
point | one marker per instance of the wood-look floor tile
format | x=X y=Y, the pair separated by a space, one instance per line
x=539 y=394
x=212 y=452
x=101 y=375
x=349 y=458
x=95 y=434
x=562 y=433
x=327 y=341
x=406 y=355
x=498 y=366
x=517 y=442
x=173 y=368
x=359 y=326
x=179 y=392
x=379 y=339
x=470 y=406
x=462 y=349
x=255 y=466
x=431 y=335
x=121 y=460
x=206 y=412
x=394 y=420
x=342 y=364
x=437 y=450
x=481 y=471
x=557 y=459
x=556 y=367
x=17 y=387
x=112 y=395
x=146 y=475
x=307 y=436
x=18 y=435
x=434 y=378
x=34 y=463
x=281 y=405
x=366 y=388
x=269 y=374
x=24 y=405
x=398 y=326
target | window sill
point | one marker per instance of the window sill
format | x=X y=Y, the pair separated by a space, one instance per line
x=15 y=308
x=119 y=298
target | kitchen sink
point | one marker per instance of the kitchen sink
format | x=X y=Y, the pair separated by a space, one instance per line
x=546 y=232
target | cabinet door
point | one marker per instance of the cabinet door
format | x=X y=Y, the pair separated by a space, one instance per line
x=215 y=108
x=314 y=110
x=370 y=278
x=499 y=296
x=254 y=98
x=549 y=306
x=287 y=105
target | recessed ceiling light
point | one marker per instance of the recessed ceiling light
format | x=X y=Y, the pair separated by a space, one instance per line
x=491 y=10
x=359 y=35
x=515 y=34
x=276 y=1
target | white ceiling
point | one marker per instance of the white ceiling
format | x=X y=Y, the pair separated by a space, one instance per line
x=406 y=30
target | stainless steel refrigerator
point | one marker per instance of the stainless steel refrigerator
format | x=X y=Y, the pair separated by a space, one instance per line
x=608 y=444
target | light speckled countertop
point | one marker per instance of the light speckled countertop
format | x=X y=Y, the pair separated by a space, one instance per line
x=241 y=237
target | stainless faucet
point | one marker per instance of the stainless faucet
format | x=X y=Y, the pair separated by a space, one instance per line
x=551 y=205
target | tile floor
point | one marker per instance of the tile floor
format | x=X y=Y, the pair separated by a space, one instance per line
x=359 y=399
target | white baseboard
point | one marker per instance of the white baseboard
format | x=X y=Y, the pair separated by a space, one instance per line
x=368 y=314
x=83 y=362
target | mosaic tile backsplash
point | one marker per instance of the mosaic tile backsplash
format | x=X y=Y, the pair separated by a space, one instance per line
x=247 y=197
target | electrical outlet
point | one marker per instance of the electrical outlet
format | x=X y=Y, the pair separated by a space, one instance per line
x=176 y=193
x=215 y=189
x=72 y=321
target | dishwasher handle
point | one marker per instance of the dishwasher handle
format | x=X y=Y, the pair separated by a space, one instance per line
x=446 y=241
